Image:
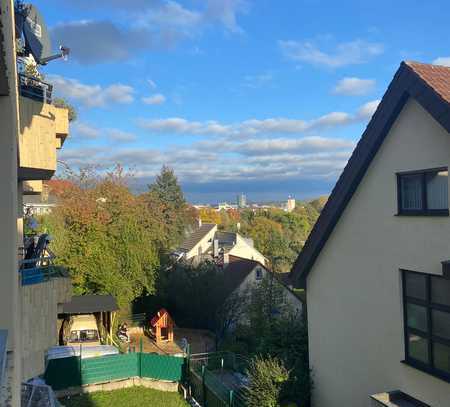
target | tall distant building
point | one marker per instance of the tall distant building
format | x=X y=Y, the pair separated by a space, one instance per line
x=290 y=204
x=241 y=201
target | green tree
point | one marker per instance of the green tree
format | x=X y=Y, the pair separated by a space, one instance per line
x=101 y=235
x=167 y=191
x=319 y=203
x=267 y=378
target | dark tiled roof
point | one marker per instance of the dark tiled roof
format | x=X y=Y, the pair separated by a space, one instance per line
x=87 y=304
x=427 y=84
x=236 y=272
x=197 y=235
x=225 y=237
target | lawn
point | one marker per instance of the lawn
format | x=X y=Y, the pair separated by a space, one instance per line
x=131 y=397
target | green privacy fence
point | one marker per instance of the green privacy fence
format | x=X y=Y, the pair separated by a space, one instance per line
x=73 y=371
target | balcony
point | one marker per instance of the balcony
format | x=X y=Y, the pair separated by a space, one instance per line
x=43 y=129
x=32 y=187
x=36 y=271
x=44 y=288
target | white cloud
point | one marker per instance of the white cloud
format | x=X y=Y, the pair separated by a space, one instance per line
x=120 y=135
x=444 y=61
x=92 y=95
x=84 y=130
x=148 y=25
x=87 y=131
x=292 y=146
x=156 y=99
x=276 y=160
x=180 y=125
x=170 y=13
x=346 y=53
x=251 y=127
x=152 y=84
x=367 y=110
x=225 y=11
x=352 y=86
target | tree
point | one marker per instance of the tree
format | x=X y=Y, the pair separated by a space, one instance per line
x=319 y=203
x=167 y=192
x=231 y=313
x=275 y=331
x=209 y=215
x=260 y=230
x=102 y=236
x=267 y=378
x=193 y=294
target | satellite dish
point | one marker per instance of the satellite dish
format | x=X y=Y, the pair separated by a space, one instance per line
x=31 y=24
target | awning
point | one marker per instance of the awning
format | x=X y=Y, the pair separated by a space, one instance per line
x=88 y=304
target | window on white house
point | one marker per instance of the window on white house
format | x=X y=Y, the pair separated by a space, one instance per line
x=423 y=192
x=259 y=274
x=426 y=302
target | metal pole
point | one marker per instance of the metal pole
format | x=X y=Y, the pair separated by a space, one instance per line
x=140 y=356
x=230 y=398
x=203 y=385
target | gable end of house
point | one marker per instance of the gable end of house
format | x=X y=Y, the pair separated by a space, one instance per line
x=427 y=84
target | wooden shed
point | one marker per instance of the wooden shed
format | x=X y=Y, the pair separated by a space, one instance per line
x=162 y=326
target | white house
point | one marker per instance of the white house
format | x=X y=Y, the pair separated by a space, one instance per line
x=242 y=275
x=206 y=242
x=375 y=266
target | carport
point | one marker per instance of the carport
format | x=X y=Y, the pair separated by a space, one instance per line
x=104 y=307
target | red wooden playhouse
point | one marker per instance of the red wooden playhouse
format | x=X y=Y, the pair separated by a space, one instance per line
x=162 y=326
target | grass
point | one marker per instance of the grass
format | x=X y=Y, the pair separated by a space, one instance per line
x=130 y=397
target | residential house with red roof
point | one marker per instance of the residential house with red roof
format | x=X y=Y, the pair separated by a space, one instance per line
x=376 y=265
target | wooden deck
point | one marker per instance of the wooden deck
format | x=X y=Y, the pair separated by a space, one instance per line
x=200 y=340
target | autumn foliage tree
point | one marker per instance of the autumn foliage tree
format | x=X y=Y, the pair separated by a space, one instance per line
x=105 y=236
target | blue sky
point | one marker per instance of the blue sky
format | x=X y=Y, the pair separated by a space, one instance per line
x=262 y=97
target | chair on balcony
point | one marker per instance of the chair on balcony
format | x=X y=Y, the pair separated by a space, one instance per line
x=32 y=267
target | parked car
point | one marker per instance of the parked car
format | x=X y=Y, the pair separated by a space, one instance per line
x=83 y=330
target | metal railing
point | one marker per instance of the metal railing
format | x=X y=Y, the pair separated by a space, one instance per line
x=218 y=379
x=36 y=271
x=33 y=395
x=34 y=88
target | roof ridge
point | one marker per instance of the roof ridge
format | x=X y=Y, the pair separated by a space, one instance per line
x=432 y=92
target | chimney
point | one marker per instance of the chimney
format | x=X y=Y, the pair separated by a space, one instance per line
x=226 y=259
x=216 y=248
x=238 y=226
x=199 y=220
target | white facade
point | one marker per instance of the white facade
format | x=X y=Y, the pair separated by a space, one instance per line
x=354 y=291
x=294 y=304
x=290 y=204
x=245 y=250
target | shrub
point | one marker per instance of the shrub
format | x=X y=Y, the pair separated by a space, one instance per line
x=267 y=377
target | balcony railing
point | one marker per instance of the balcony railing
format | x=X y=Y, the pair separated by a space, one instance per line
x=36 y=271
x=35 y=89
